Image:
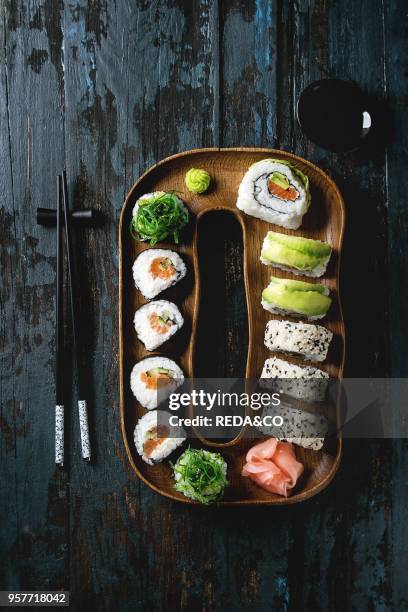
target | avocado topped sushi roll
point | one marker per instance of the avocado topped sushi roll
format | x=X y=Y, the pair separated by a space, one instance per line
x=302 y=256
x=156 y=322
x=276 y=191
x=153 y=379
x=287 y=296
x=155 y=270
x=300 y=339
x=155 y=438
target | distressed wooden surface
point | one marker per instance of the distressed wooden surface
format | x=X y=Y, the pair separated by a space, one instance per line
x=107 y=88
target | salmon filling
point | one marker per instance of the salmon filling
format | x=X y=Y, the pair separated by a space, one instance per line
x=162 y=267
x=155 y=437
x=155 y=379
x=280 y=188
x=160 y=323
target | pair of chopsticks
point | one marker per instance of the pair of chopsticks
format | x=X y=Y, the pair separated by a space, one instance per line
x=63 y=218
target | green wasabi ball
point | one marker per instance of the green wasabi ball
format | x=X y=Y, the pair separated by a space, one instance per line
x=197 y=181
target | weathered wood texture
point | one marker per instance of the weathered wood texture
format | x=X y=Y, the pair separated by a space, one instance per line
x=108 y=88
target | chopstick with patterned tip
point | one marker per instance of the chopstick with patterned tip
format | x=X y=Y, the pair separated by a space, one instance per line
x=82 y=406
x=59 y=348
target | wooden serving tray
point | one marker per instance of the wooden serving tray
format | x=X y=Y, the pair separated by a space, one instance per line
x=324 y=221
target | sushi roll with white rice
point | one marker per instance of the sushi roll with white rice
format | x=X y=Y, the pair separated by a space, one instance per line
x=301 y=339
x=302 y=256
x=156 y=322
x=301 y=382
x=276 y=191
x=153 y=379
x=155 y=270
x=297 y=298
x=299 y=427
x=155 y=439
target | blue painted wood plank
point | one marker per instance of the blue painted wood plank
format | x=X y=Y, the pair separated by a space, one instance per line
x=249 y=73
x=33 y=496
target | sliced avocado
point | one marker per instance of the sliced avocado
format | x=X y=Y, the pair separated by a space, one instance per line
x=298 y=173
x=307 y=302
x=316 y=248
x=279 y=179
x=157 y=371
x=289 y=284
x=165 y=263
x=164 y=317
x=281 y=254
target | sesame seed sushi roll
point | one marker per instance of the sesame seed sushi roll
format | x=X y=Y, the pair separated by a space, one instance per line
x=297 y=298
x=274 y=190
x=301 y=382
x=155 y=439
x=155 y=270
x=300 y=339
x=300 y=427
x=302 y=256
x=156 y=322
x=153 y=379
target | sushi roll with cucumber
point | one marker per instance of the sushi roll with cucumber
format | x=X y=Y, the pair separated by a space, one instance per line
x=298 y=298
x=155 y=270
x=155 y=439
x=156 y=322
x=153 y=379
x=301 y=382
x=302 y=256
x=276 y=191
x=303 y=340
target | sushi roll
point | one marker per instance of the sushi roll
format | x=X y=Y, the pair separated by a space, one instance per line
x=153 y=379
x=301 y=339
x=299 y=427
x=155 y=439
x=155 y=270
x=301 y=382
x=156 y=322
x=302 y=256
x=292 y=297
x=274 y=190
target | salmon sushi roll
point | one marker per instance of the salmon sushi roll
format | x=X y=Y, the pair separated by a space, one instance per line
x=155 y=439
x=155 y=270
x=153 y=379
x=156 y=322
x=275 y=191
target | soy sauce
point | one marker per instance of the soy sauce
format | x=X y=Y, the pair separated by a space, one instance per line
x=332 y=114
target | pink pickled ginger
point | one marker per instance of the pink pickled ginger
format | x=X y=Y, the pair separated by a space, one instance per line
x=272 y=465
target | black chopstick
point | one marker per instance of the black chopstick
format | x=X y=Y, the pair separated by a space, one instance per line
x=59 y=348
x=82 y=406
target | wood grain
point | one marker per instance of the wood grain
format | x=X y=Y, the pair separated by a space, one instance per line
x=325 y=221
